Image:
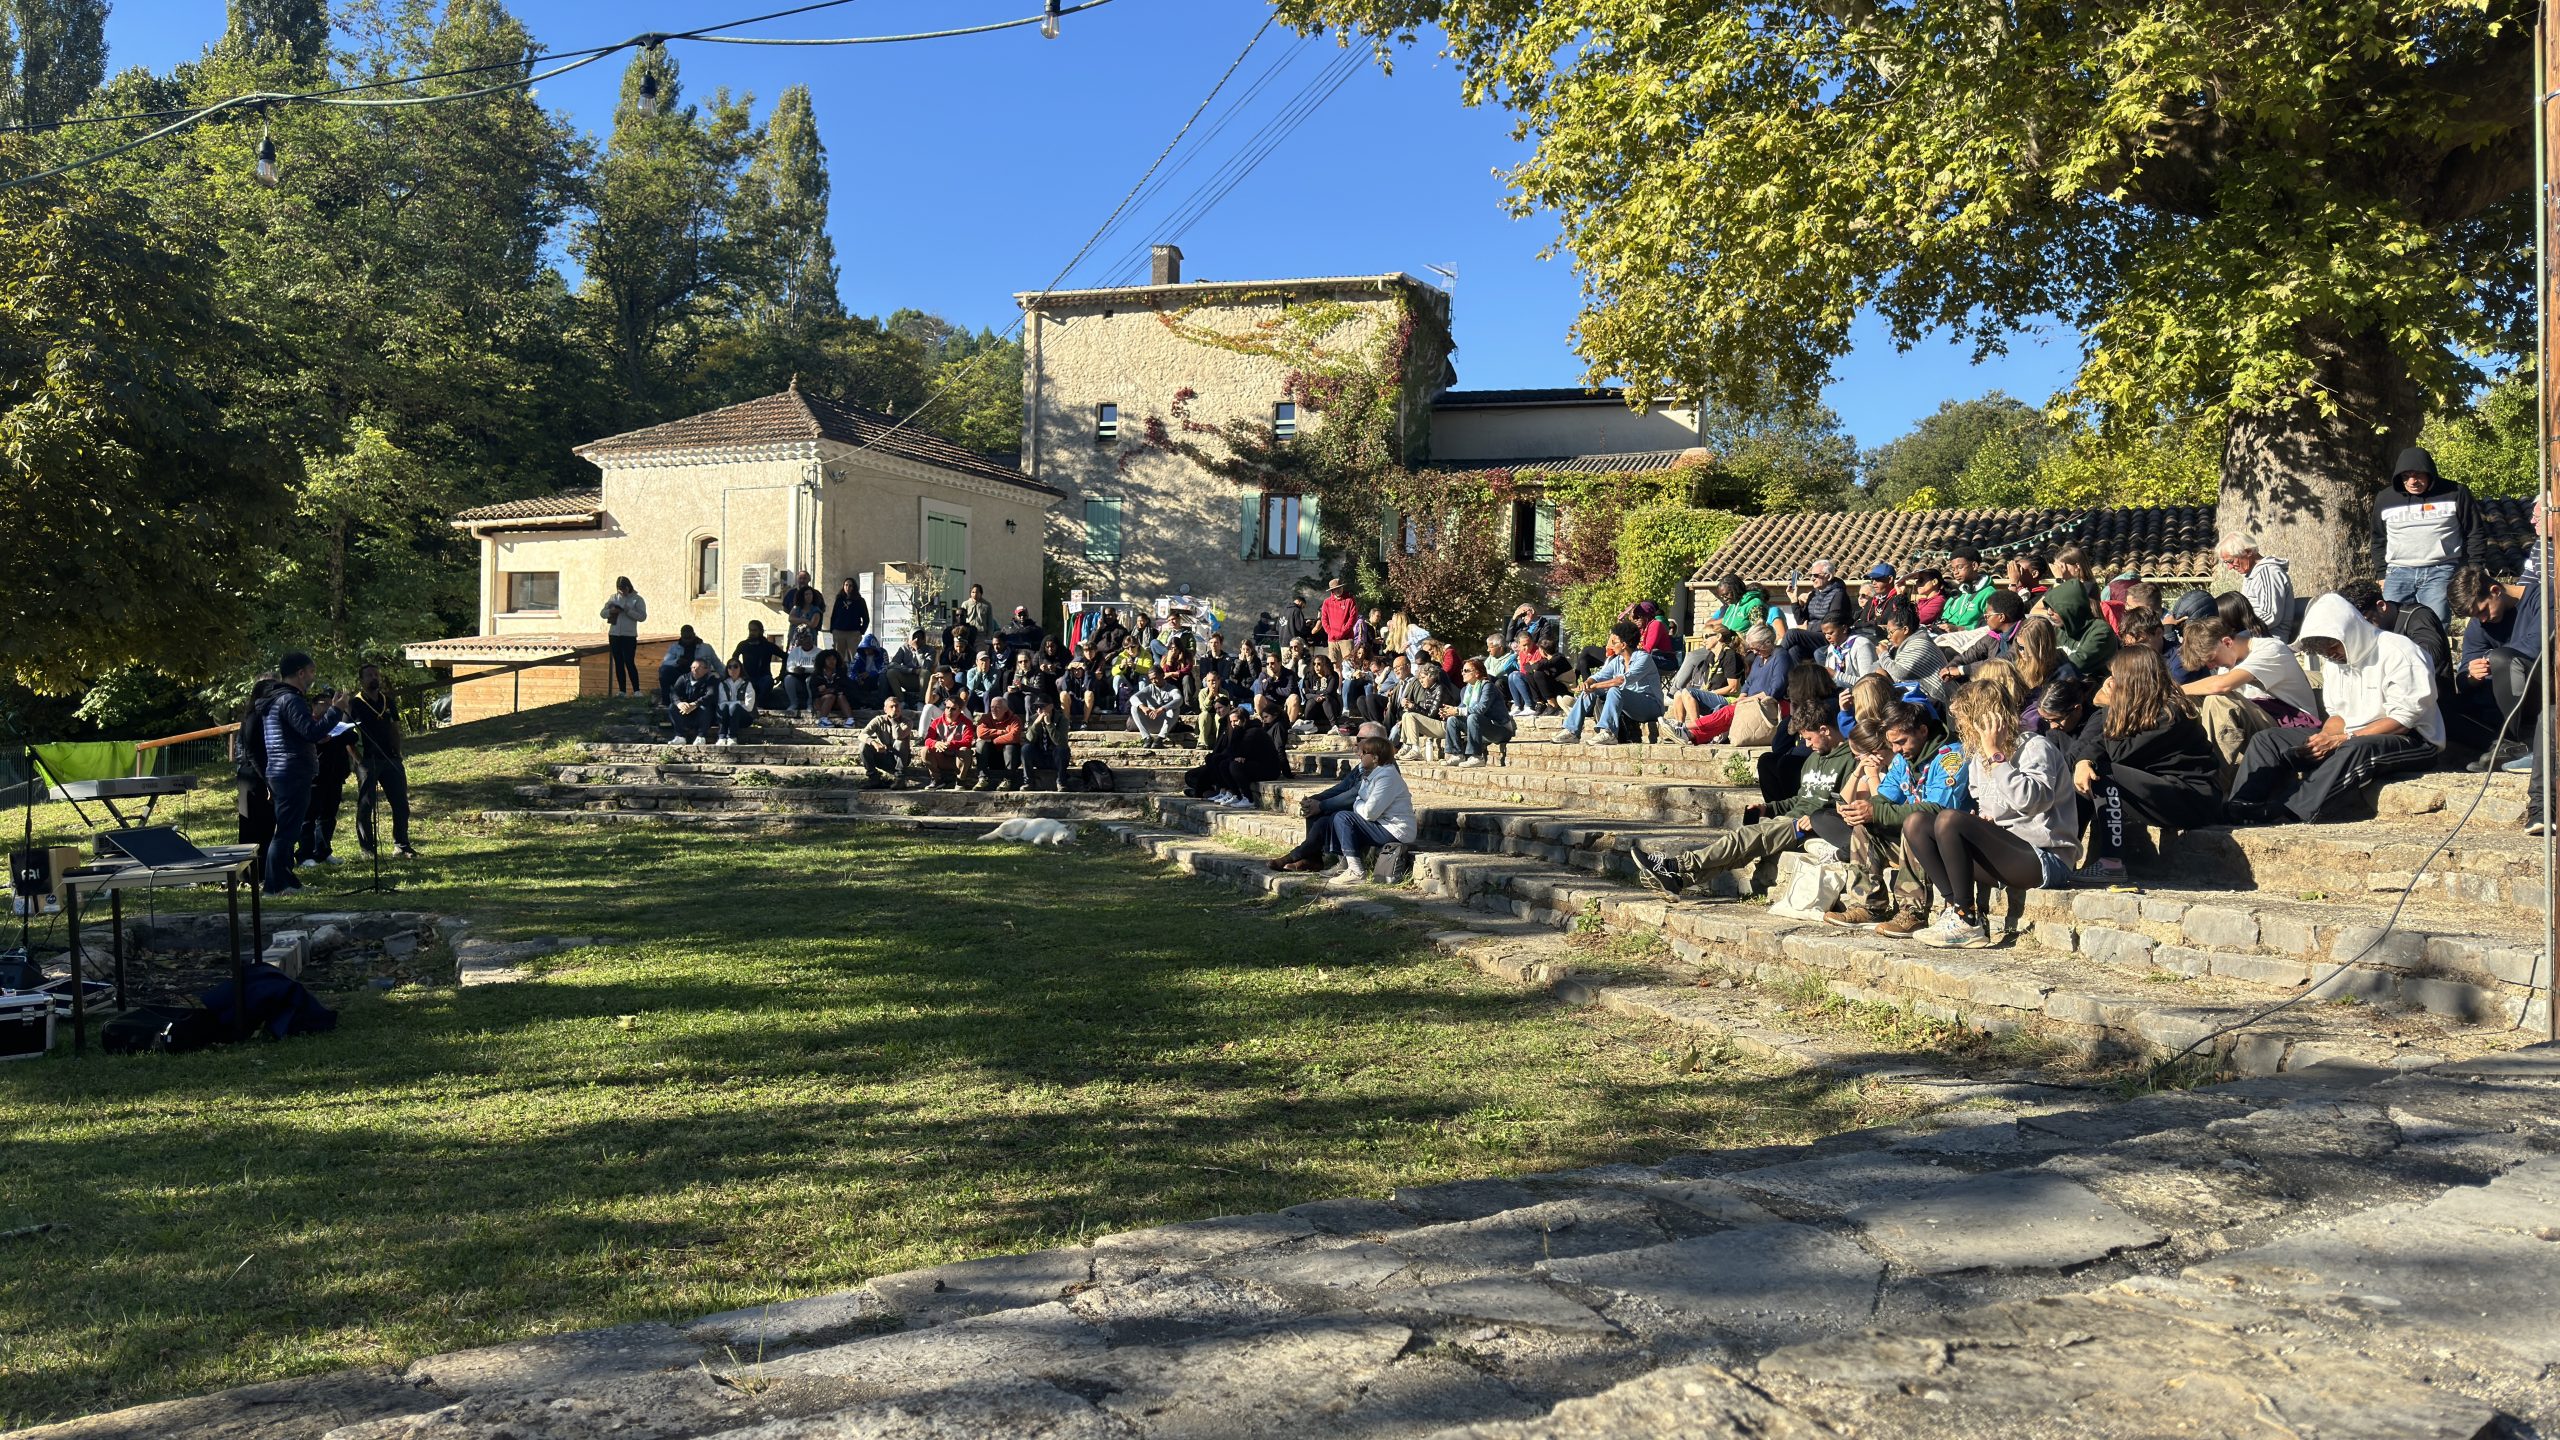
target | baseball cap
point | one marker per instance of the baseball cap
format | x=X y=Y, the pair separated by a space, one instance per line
x=1881 y=572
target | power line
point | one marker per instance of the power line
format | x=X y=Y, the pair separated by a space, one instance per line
x=1076 y=259
x=260 y=101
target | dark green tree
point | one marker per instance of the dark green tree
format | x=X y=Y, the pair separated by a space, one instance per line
x=1933 y=453
x=295 y=31
x=787 y=263
x=660 y=261
x=61 y=56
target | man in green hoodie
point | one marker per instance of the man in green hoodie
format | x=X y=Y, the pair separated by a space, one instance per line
x=1968 y=590
x=1761 y=842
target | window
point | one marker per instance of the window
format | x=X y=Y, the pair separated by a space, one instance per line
x=706 y=566
x=1279 y=527
x=1106 y=424
x=1533 y=531
x=1412 y=529
x=1102 y=530
x=1284 y=420
x=533 y=590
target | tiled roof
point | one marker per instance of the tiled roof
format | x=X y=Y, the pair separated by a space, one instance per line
x=505 y=648
x=1566 y=395
x=1625 y=462
x=797 y=414
x=2162 y=542
x=580 y=507
x=1025 y=298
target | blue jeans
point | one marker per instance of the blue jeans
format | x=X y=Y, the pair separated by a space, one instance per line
x=1351 y=834
x=2425 y=584
x=1464 y=734
x=1613 y=712
x=1519 y=689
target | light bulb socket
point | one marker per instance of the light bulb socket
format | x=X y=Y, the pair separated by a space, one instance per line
x=1049 y=20
x=265 y=174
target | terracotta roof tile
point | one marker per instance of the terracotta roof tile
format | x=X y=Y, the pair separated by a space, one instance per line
x=797 y=414
x=1625 y=462
x=583 y=505
x=1559 y=395
x=2163 y=542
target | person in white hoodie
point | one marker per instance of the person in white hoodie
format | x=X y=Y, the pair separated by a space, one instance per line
x=2024 y=833
x=2380 y=691
x=1380 y=813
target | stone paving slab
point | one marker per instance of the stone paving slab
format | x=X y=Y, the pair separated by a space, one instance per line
x=1037 y=1341
x=2016 y=1220
x=301 y=1409
x=672 y=1406
x=1758 y=1285
x=1690 y=1402
x=975 y=1410
x=559 y=1362
x=1327 y=1376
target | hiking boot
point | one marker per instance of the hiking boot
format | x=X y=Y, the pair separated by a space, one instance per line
x=1853 y=917
x=1903 y=925
x=1656 y=874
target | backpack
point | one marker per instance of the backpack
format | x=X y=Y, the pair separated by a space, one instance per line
x=1098 y=776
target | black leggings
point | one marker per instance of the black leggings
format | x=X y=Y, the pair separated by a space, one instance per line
x=1951 y=846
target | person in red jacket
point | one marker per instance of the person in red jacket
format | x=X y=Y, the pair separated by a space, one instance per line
x=947 y=743
x=1338 y=619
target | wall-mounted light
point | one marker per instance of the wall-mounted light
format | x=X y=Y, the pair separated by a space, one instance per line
x=1008 y=527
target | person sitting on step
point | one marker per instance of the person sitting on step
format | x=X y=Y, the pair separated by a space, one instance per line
x=2139 y=758
x=831 y=691
x=2244 y=683
x=800 y=674
x=1927 y=774
x=1625 y=690
x=2497 y=674
x=1379 y=817
x=1151 y=709
x=2381 y=695
x=1422 y=711
x=948 y=740
x=2025 y=836
x=695 y=699
x=1318 y=811
x=737 y=703
x=1759 y=842
x=888 y=745
x=1709 y=678
x=1767 y=679
x=1478 y=722
x=999 y=747
x=1045 y=742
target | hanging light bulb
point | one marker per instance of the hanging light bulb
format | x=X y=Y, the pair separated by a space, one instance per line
x=1049 y=21
x=265 y=174
x=649 y=92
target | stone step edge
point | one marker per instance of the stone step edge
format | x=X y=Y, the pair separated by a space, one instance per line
x=969 y=825
x=1935 y=987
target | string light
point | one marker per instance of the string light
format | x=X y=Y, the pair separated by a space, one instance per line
x=265 y=174
x=1049 y=21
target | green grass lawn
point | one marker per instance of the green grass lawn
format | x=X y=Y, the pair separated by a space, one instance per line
x=796 y=1062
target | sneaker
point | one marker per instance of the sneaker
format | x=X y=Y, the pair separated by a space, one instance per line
x=1011 y=786
x=1655 y=873
x=2522 y=764
x=1348 y=877
x=2536 y=827
x=1223 y=797
x=1853 y=917
x=1954 y=932
x=2507 y=752
x=1600 y=737
x=1903 y=925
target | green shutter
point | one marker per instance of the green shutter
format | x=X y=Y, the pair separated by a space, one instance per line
x=1542 y=543
x=1102 y=531
x=1310 y=530
x=1249 y=535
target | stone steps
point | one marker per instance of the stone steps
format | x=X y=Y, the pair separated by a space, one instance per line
x=752 y=779
x=793 y=802
x=2353 y=1250
x=1561 y=873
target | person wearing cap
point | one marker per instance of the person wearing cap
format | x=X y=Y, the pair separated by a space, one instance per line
x=1878 y=595
x=1339 y=619
x=2423 y=526
x=1825 y=595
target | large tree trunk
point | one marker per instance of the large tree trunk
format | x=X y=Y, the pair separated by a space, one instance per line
x=2302 y=484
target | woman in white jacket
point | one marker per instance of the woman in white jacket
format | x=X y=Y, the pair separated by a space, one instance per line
x=2025 y=835
x=1380 y=813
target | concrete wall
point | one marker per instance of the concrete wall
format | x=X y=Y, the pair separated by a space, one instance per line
x=1181 y=525
x=537 y=686
x=868 y=512
x=1511 y=432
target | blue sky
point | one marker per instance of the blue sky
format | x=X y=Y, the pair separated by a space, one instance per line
x=968 y=169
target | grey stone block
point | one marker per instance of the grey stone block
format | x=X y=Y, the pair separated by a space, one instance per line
x=753 y=1329
x=2281 y=971
x=1516 y=1240
x=978 y=1287
x=2116 y=947
x=1686 y=1402
x=1335 y=1375
x=2218 y=926
x=2183 y=959
x=971 y=1410
x=1496 y=1300
x=559 y=1362
x=1358 y=1266
x=1461 y=1199
x=2290 y=935
x=1762 y=1284
x=2457 y=998
x=2016 y=1220
x=1042 y=1340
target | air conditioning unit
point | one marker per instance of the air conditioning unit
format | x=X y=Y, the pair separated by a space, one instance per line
x=755 y=582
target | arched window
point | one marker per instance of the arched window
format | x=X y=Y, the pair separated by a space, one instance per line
x=706 y=566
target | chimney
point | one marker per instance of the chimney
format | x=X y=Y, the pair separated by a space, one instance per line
x=1168 y=266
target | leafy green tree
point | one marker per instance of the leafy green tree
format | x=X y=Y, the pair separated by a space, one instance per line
x=659 y=258
x=1659 y=546
x=132 y=490
x=1779 y=460
x=295 y=31
x=2489 y=444
x=2303 y=220
x=1934 y=452
x=788 y=263
x=61 y=54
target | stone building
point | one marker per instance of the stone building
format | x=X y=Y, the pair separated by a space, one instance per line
x=1118 y=382
x=711 y=515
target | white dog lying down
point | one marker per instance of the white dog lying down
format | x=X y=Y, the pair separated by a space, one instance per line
x=1033 y=832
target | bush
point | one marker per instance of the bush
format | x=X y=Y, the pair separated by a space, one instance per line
x=1659 y=546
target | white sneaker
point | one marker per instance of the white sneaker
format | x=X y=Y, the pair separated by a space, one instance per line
x=1240 y=803
x=1348 y=877
x=1953 y=932
x=1600 y=737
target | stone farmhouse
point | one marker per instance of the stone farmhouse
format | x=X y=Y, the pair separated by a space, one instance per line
x=710 y=515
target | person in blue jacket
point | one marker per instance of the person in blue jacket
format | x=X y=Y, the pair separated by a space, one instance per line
x=290 y=736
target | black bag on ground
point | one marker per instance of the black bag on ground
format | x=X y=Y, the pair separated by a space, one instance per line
x=148 y=1028
x=278 y=1005
x=1098 y=776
